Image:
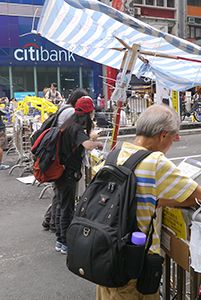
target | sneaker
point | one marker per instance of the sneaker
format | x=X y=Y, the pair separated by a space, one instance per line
x=52 y=229
x=64 y=249
x=4 y=167
x=58 y=246
x=45 y=225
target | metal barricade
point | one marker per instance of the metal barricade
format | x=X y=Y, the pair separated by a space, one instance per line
x=22 y=129
x=179 y=281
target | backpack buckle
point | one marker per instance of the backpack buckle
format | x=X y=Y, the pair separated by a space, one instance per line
x=111 y=186
x=86 y=231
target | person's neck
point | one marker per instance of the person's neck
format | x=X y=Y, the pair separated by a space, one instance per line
x=146 y=142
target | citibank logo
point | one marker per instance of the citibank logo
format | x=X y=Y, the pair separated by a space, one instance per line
x=35 y=53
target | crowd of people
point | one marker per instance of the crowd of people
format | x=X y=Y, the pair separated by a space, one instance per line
x=156 y=129
x=133 y=105
x=103 y=117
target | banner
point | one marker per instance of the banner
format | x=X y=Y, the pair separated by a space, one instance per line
x=168 y=97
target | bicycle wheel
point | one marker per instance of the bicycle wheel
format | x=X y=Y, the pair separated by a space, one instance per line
x=197 y=114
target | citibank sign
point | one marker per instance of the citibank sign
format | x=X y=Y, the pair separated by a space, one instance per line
x=35 y=53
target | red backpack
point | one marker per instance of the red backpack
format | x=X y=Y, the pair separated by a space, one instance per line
x=47 y=165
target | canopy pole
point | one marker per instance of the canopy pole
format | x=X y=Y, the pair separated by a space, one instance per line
x=196 y=75
x=122 y=82
x=155 y=54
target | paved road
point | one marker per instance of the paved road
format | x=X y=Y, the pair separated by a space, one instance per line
x=30 y=268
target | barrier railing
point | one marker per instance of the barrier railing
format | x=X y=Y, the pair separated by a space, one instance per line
x=179 y=281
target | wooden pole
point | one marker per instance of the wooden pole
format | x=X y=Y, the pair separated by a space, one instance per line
x=135 y=48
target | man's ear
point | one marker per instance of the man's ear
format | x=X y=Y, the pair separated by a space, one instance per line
x=163 y=135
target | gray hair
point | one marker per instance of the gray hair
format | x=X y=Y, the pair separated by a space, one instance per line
x=157 y=118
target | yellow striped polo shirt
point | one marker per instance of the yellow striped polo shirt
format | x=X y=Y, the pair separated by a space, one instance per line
x=157 y=177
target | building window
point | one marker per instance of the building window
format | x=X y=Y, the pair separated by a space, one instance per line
x=45 y=76
x=149 y=2
x=4 y=82
x=23 y=79
x=194 y=3
x=188 y=32
x=170 y=3
x=192 y=33
x=69 y=80
x=198 y=33
x=87 y=80
x=138 y=1
x=160 y=3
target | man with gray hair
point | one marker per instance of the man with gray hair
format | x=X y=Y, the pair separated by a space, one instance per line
x=157 y=178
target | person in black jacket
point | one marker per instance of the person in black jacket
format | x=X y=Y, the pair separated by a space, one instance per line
x=3 y=136
x=76 y=135
x=49 y=218
x=101 y=119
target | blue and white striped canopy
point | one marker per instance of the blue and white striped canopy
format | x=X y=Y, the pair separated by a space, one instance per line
x=88 y=28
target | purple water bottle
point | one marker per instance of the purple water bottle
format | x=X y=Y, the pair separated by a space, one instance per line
x=138 y=238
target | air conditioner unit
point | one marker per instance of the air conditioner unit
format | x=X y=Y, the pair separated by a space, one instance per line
x=137 y=11
x=191 y=20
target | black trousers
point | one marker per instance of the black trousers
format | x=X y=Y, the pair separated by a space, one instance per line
x=50 y=216
x=66 y=186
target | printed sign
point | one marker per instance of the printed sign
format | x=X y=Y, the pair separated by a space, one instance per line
x=173 y=219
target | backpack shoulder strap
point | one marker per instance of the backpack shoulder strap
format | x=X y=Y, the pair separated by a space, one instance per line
x=58 y=112
x=136 y=158
x=112 y=157
x=131 y=162
x=61 y=109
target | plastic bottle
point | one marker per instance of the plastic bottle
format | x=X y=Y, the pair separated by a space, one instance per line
x=138 y=238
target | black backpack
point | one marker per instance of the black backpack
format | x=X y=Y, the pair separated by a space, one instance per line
x=50 y=122
x=99 y=236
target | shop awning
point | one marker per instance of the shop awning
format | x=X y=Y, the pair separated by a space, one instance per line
x=88 y=28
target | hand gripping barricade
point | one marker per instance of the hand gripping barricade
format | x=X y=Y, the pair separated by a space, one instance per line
x=99 y=236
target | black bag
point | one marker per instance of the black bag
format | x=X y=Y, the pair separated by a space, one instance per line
x=50 y=122
x=149 y=280
x=98 y=238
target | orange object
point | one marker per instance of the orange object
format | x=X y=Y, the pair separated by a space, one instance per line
x=177 y=139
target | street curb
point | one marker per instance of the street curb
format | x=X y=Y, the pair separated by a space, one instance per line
x=124 y=131
x=185 y=129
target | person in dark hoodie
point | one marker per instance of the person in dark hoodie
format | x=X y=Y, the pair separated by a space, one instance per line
x=49 y=218
x=101 y=119
x=75 y=138
x=3 y=136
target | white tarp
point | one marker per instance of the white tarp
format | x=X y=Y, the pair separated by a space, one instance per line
x=88 y=28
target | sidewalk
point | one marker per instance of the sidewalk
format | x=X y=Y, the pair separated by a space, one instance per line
x=186 y=127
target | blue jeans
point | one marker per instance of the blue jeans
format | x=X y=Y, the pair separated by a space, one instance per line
x=66 y=186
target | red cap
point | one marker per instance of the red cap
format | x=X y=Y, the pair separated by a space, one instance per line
x=84 y=105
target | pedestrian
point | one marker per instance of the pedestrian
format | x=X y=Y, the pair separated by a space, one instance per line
x=132 y=107
x=102 y=103
x=52 y=94
x=146 y=99
x=98 y=101
x=101 y=119
x=13 y=104
x=157 y=178
x=76 y=135
x=12 y=107
x=49 y=218
x=3 y=136
x=196 y=97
